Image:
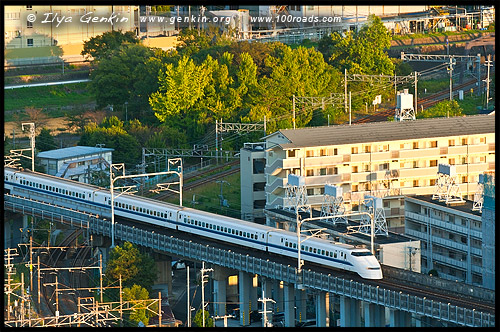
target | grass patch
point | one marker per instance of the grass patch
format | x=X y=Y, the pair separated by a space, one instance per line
x=207 y=197
x=470 y=103
x=47 y=96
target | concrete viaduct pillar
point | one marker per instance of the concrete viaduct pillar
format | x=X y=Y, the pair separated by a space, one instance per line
x=400 y=318
x=289 y=299
x=301 y=304
x=164 y=280
x=254 y=296
x=374 y=315
x=278 y=295
x=219 y=277
x=322 y=302
x=244 y=287
x=350 y=313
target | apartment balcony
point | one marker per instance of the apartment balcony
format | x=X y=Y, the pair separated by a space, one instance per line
x=478 y=148
x=418 y=172
x=491 y=147
x=323 y=161
x=445 y=225
x=444 y=242
x=491 y=166
x=368 y=176
x=471 y=168
x=323 y=179
x=386 y=155
x=346 y=158
x=419 y=153
x=460 y=149
x=454 y=263
x=360 y=157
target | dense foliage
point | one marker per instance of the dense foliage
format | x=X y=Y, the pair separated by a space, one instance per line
x=134 y=267
x=180 y=93
x=105 y=45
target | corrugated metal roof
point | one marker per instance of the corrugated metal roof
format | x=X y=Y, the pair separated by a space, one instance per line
x=388 y=131
x=72 y=152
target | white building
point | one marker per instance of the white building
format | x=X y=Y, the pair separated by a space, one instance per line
x=75 y=162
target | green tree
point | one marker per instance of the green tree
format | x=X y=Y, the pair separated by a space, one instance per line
x=140 y=313
x=112 y=134
x=45 y=141
x=198 y=319
x=105 y=45
x=134 y=267
x=124 y=77
x=442 y=109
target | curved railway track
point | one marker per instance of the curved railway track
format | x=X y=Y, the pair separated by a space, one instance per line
x=204 y=178
x=426 y=102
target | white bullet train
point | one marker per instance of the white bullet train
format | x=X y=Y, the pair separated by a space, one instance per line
x=93 y=199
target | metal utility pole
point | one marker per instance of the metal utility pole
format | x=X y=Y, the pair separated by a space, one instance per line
x=488 y=64
x=188 y=304
x=32 y=140
x=264 y=312
x=203 y=270
x=450 y=69
x=345 y=90
x=416 y=94
x=221 y=197
x=216 y=142
x=349 y=108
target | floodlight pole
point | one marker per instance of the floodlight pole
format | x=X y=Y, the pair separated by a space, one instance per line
x=32 y=141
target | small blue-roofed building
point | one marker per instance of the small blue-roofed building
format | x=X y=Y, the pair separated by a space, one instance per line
x=76 y=162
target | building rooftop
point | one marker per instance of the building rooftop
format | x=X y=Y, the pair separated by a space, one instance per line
x=72 y=152
x=341 y=228
x=387 y=131
x=462 y=207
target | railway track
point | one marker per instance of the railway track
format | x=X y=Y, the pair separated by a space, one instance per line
x=204 y=178
x=424 y=103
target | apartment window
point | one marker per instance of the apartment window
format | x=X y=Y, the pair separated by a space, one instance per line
x=482 y=159
x=322 y=152
x=30 y=42
x=354 y=169
x=401 y=146
x=29 y=7
x=366 y=167
x=310 y=7
x=309 y=172
x=415 y=145
x=259 y=204
x=322 y=171
x=434 y=144
x=29 y=24
x=386 y=204
x=464 y=179
x=331 y=170
x=464 y=160
x=482 y=140
x=367 y=148
x=258 y=166
x=464 y=141
x=451 y=161
x=310 y=192
x=354 y=150
x=309 y=153
x=259 y=186
x=354 y=188
x=415 y=183
x=451 y=142
x=433 y=163
x=291 y=153
x=384 y=166
x=415 y=164
x=335 y=151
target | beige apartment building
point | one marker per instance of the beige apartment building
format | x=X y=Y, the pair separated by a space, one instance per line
x=384 y=159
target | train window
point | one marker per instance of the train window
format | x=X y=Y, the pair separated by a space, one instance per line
x=294 y=246
x=203 y=224
x=225 y=229
x=314 y=250
x=323 y=252
x=282 y=240
x=301 y=247
x=240 y=233
x=335 y=255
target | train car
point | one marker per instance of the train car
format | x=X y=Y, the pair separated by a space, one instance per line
x=332 y=254
x=223 y=228
x=90 y=199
